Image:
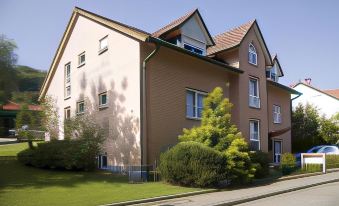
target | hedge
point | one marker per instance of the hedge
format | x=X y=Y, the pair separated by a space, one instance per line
x=193 y=164
x=260 y=161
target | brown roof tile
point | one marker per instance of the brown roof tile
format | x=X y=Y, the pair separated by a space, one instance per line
x=229 y=38
x=173 y=24
x=332 y=92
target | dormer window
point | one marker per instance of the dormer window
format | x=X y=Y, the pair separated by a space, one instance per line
x=193 y=49
x=252 y=55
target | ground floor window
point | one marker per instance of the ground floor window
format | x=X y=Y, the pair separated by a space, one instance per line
x=254 y=135
x=102 y=161
x=277 y=150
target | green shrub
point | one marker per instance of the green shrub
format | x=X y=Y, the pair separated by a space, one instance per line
x=193 y=164
x=312 y=168
x=332 y=161
x=288 y=163
x=77 y=154
x=260 y=161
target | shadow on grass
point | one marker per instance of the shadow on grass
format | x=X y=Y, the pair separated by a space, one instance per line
x=14 y=174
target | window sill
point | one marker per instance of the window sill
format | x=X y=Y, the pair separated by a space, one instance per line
x=256 y=65
x=80 y=65
x=253 y=107
x=67 y=97
x=102 y=107
x=80 y=113
x=102 y=50
x=194 y=118
x=276 y=122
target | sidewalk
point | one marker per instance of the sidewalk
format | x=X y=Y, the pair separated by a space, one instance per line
x=238 y=196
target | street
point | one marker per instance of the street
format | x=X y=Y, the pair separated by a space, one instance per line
x=323 y=195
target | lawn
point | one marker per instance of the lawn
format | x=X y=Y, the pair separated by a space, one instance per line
x=22 y=185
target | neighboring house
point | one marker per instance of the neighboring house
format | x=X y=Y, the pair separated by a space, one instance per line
x=8 y=114
x=145 y=88
x=327 y=101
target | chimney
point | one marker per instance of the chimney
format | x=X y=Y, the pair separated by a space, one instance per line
x=308 y=81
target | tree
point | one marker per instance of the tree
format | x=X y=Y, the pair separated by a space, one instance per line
x=217 y=131
x=50 y=117
x=305 y=128
x=329 y=129
x=8 y=78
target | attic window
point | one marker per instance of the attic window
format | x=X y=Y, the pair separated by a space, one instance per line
x=193 y=48
x=252 y=55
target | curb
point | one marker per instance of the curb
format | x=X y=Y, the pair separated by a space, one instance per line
x=166 y=197
x=249 y=199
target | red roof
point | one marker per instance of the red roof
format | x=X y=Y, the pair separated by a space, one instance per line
x=229 y=38
x=173 y=24
x=15 y=106
x=332 y=92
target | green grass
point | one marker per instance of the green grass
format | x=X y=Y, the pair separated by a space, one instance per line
x=22 y=185
x=12 y=149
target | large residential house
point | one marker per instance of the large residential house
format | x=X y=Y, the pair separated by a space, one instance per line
x=326 y=101
x=144 y=88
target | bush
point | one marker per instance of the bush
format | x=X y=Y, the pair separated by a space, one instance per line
x=193 y=164
x=260 y=161
x=332 y=161
x=77 y=154
x=288 y=163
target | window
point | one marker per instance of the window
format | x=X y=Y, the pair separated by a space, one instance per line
x=194 y=103
x=254 y=99
x=103 y=100
x=272 y=74
x=254 y=135
x=67 y=112
x=103 y=44
x=252 y=55
x=102 y=161
x=330 y=150
x=80 y=107
x=67 y=80
x=276 y=114
x=81 y=59
x=193 y=49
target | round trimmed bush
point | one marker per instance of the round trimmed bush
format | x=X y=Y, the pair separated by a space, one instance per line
x=260 y=160
x=288 y=163
x=193 y=164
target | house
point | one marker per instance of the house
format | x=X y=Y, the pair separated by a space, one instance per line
x=8 y=114
x=327 y=101
x=145 y=88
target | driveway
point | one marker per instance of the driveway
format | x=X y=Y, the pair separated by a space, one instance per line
x=324 y=195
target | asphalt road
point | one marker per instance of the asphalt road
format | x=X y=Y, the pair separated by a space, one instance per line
x=323 y=195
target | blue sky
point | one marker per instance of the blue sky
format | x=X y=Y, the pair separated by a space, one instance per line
x=304 y=33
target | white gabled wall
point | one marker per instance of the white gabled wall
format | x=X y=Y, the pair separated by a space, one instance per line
x=327 y=105
x=115 y=71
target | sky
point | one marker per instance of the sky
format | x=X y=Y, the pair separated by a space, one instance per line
x=304 y=33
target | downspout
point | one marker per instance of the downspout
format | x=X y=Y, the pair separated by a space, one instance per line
x=143 y=118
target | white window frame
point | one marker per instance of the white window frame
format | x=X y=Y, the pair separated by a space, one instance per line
x=195 y=103
x=68 y=95
x=103 y=49
x=80 y=63
x=252 y=96
x=250 y=134
x=100 y=101
x=78 y=107
x=276 y=114
x=254 y=53
x=66 y=110
x=67 y=79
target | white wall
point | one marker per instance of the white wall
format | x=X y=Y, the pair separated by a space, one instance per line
x=115 y=71
x=327 y=105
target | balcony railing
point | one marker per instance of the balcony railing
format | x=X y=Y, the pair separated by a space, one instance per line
x=254 y=101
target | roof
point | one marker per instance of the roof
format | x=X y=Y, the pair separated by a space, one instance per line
x=275 y=59
x=12 y=106
x=230 y=39
x=120 y=27
x=332 y=92
x=289 y=89
x=180 y=21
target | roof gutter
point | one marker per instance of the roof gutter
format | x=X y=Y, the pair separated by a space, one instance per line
x=143 y=128
x=179 y=49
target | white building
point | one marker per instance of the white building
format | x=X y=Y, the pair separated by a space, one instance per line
x=327 y=101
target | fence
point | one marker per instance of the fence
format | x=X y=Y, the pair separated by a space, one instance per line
x=136 y=173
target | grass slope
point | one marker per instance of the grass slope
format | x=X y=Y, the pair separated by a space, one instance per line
x=22 y=185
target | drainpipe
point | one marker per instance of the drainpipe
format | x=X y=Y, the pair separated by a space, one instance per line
x=143 y=104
